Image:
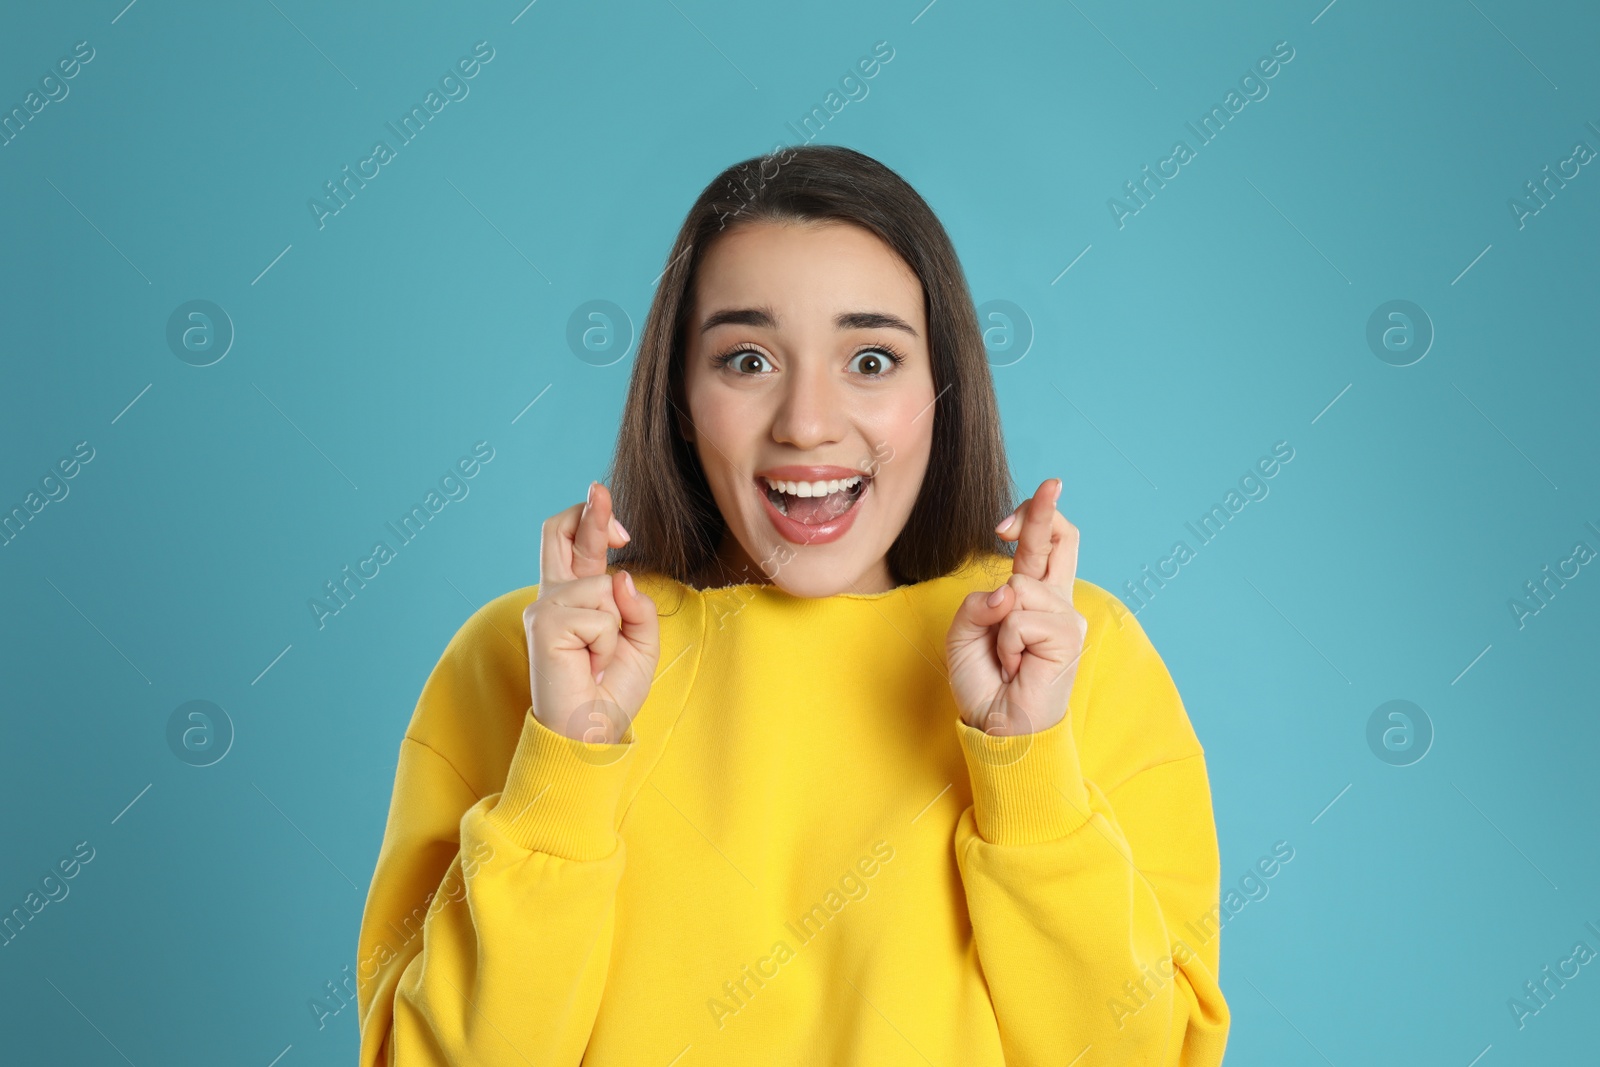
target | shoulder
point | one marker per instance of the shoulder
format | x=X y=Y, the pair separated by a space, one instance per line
x=1134 y=717
x=475 y=700
x=1132 y=713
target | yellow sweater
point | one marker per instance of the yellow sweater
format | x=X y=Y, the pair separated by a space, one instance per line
x=802 y=854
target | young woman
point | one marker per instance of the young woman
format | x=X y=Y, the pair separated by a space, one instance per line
x=807 y=748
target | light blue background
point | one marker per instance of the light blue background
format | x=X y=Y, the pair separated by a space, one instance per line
x=1224 y=317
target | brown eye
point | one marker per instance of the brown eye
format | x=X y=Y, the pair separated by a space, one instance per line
x=746 y=361
x=873 y=362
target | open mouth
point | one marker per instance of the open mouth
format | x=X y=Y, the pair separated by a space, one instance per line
x=814 y=503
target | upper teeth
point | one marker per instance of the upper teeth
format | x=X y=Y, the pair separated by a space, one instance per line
x=813 y=488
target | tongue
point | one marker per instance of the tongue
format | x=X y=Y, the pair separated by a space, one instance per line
x=815 y=510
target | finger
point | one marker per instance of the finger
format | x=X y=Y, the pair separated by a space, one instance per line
x=575 y=629
x=594 y=533
x=975 y=616
x=1046 y=634
x=596 y=592
x=1034 y=594
x=567 y=543
x=1033 y=541
x=555 y=558
x=641 y=627
x=1062 y=569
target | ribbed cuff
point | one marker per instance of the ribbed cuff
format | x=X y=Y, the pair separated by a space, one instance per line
x=1026 y=788
x=561 y=795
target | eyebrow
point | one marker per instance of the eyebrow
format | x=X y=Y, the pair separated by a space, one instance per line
x=848 y=320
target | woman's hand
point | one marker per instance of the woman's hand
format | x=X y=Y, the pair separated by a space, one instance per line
x=1013 y=653
x=593 y=640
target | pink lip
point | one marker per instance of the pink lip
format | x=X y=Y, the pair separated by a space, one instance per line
x=798 y=532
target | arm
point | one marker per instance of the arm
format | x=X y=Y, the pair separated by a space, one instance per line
x=486 y=934
x=1090 y=864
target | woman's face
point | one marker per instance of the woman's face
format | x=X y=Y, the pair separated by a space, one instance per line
x=813 y=438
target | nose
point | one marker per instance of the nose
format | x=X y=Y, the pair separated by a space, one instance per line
x=811 y=413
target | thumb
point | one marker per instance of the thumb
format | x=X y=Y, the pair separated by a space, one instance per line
x=640 y=627
x=975 y=616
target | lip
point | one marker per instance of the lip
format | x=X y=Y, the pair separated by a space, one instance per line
x=800 y=533
x=809 y=474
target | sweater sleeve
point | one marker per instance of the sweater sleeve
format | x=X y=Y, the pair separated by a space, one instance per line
x=487 y=933
x=1091 y=869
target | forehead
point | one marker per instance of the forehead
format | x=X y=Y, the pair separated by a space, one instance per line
x=806 y=270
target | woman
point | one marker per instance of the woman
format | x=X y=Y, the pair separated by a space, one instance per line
x=823 y=763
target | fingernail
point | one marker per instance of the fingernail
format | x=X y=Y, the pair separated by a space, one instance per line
x=599 y=676
x=590 y=498
x=997 y=596
x=616 y=527
x=1006 y=525
x=627 y=580
x=1057 y=495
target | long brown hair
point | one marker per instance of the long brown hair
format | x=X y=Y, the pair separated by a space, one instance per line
x=658 y=487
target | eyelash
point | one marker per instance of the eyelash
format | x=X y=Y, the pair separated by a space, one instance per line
x=895 y=356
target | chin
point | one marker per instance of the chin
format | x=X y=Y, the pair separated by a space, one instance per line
x=817 y=581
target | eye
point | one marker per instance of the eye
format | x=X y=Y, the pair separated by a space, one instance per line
x=877 y=361
x=747 y=361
